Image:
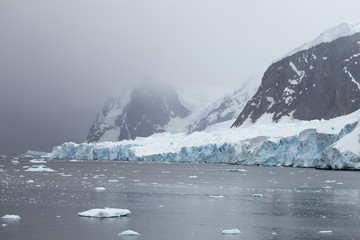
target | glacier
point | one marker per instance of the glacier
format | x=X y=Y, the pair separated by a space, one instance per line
x=318 y=143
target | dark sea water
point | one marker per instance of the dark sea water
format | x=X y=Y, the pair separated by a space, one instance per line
x=176 y=201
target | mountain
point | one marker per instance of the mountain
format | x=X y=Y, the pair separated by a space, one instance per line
x=319 y=81
x=138 y=112
x=227 y=108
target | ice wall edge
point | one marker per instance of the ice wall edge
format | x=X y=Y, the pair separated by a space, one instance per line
x=307 y=149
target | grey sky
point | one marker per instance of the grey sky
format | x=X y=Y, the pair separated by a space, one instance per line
x=59 y=60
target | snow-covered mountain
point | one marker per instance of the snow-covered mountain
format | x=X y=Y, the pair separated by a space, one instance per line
x=319 y=80
x=227 y=108
x=138 y=112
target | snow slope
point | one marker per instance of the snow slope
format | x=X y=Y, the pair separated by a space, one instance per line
x=288 y=144
x=227 y=108
x=329 y=35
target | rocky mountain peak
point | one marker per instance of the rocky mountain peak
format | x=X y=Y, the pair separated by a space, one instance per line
x=138 y=112
x=321 y=82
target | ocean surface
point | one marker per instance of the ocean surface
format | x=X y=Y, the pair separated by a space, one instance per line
x=177 y=201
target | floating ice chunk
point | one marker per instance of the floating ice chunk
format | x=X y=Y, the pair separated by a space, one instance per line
x=73 y=160
x=193 y=176
x=325 y=232
x=234 y=170
x=100 y=189
x=129 y=233
x=40 y=160
x=330 y=181
x=217 y=196
x=11 y=217
x=231 y=231
x=39 y=168
x=4 y=225
x=105 y=213
x=257 y=195
x=14 y=162
x=30 y=181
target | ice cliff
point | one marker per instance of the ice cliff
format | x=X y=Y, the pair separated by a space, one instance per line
x=325 y=144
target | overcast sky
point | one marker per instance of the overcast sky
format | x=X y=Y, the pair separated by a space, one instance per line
x=59 y=60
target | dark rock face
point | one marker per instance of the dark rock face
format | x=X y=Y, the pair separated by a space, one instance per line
x=146 y=111
x=322 y=82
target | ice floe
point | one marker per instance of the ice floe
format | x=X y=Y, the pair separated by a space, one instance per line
x=216 y=196
x=231 y=231
x=39 y=168
x=129 y=233
x=105 y=213
x=11 y=217
x=234 y=170
x=40 y=160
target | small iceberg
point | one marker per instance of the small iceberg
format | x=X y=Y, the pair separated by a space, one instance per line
x=39 y=168
x=325 y=232
x=257 y=195
x=105 y=213
x=217 y=196
x=231 y=231
x=11 y=217
x=129 y=233
x=100 y=189
x=330 y=181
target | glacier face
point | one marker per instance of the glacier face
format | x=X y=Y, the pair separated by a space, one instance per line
x=310 y=147
x=344 y=154
x=302 y=150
